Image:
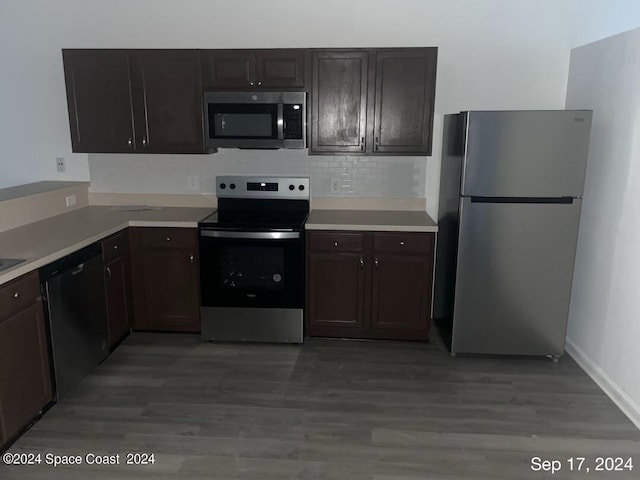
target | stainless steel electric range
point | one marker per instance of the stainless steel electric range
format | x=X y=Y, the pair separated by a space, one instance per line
x=252 y=260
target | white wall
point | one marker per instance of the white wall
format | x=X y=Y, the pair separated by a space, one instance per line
x=604 y=318
x=493 y=53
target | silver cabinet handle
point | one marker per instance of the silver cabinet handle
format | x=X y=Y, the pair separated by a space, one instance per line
x=259 y=83
x=144 y=141
x=376 y=262
x=109 y=273
x=362 y=144
x=191 y=259
x=130 y=142
x=361 y=262
x=401 y=243
x=168 y=239
x=251 y=83
x=115 y=247
x=335 y=244
x=377 y=143
x=16 y=295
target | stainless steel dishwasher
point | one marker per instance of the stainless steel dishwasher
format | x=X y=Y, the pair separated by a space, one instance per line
x=74 y=294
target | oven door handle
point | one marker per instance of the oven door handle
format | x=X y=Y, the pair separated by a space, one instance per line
x=250 y=235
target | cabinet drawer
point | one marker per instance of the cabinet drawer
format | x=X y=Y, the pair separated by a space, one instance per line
x=337 y=242
x=403 y=242
x=114 y=246
x=19 y=293
x=168 y=237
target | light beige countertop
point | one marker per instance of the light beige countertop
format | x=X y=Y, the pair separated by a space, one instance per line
x=371 y=220
x=29 y=189
x=42 y=242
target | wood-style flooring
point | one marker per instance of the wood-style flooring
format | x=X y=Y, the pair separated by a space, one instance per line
x=329 y=409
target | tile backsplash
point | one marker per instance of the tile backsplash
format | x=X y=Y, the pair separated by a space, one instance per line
x=331 y=176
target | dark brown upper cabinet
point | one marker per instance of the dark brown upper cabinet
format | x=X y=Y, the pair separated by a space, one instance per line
x=339 y=101
x=99 y=100
x=253 y=69
x=143 y=101
x=404 y=95
x=376 y=101
x=167 y=101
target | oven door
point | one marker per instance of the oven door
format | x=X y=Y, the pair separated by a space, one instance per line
x=251 y=269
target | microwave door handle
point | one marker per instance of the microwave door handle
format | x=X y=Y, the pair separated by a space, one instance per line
x=280 y=121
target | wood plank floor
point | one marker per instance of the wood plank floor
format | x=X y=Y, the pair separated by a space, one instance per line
x=330 y=409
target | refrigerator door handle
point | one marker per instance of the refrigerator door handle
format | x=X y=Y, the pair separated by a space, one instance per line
x=543 y=200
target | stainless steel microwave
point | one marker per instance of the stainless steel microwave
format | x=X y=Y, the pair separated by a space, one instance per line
x=255 y=119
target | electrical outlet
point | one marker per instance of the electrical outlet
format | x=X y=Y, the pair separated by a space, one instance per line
x=335 y=185
x=70 y=200
x=61 y=164
x=193 y=182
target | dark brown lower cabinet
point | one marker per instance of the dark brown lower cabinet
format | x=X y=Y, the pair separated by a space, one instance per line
x=369 y=285
x=339 y=277
x=25 y=379
x=117 y=308
x=165 y=279
x=116 y=278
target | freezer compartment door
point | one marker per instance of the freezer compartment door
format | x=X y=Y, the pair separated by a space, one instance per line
x=513 y=277
x=526 y=153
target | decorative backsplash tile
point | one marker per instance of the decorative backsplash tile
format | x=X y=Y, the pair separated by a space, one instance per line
x=393 y=177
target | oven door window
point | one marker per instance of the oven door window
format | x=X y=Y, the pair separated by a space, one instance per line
x=254 y=121
x=244 y=273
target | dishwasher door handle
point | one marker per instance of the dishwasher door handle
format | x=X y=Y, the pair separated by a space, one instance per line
x=78 y=269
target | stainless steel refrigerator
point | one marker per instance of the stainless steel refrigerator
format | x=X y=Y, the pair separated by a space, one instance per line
x=510 y=198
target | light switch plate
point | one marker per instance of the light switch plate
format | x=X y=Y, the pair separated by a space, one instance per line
x=61 y=164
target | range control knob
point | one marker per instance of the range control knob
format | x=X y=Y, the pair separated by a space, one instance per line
x=223 y=186
x=291 y=187
x=232 y=186
x=301 y=187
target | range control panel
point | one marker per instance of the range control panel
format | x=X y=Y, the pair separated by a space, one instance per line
x=239 y=186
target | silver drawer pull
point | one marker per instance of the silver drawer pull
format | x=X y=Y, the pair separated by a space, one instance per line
x=168 y=239
x=16 y=295
x=115 y=247
x=335 y=244
x=401 y=243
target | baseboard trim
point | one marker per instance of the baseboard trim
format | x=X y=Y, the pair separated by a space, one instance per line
x=613 y=391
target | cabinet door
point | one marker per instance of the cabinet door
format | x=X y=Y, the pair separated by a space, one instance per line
x=335 y=294
x=165 y=279
x=280 y=68
x=229 y=69
x=25 y=383
x=400 y=295
x=117 y=308
x=168 y=101
x=99 y=100
x=339 y=101
x=404 y=97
